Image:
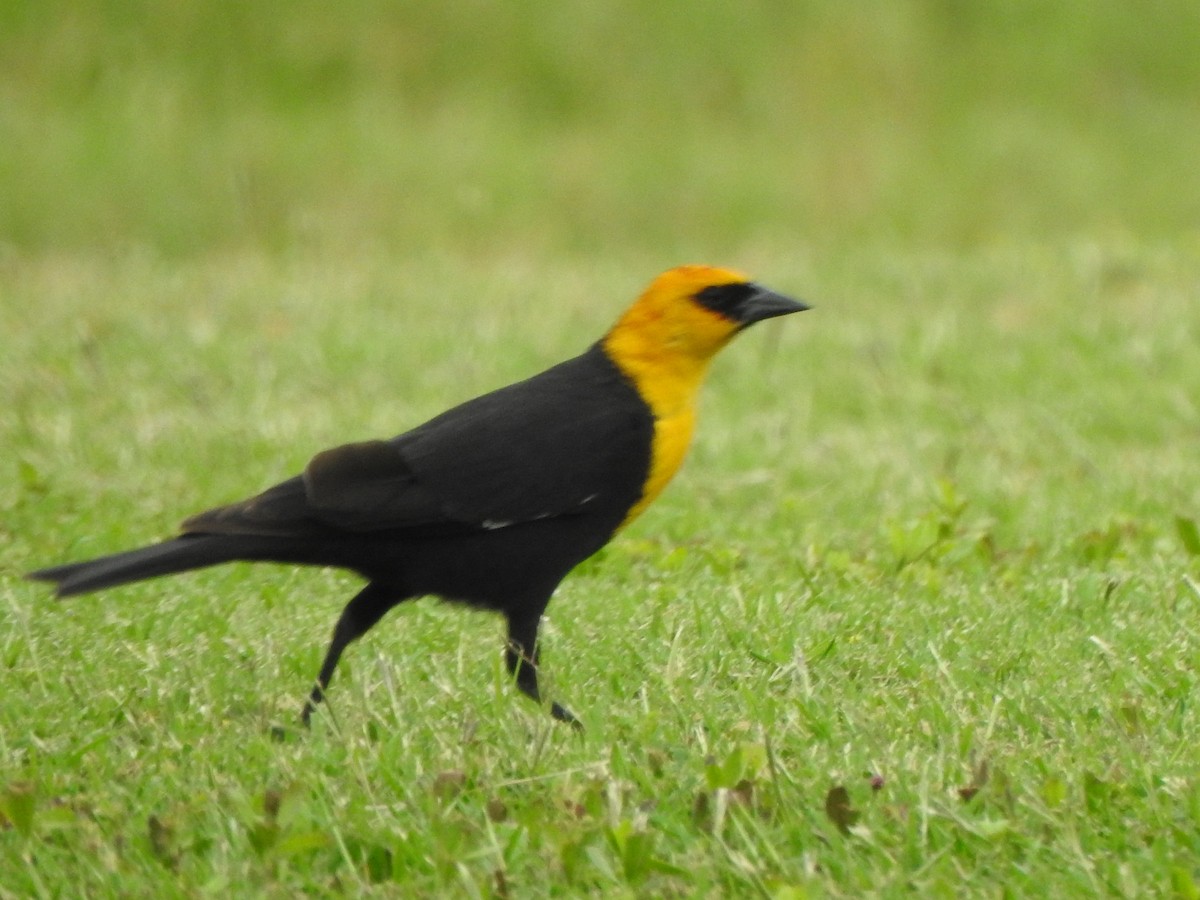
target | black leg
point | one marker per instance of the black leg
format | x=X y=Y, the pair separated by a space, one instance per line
x=360 y=614
x=521 y=656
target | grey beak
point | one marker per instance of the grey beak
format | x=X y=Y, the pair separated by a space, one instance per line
x=766 y=304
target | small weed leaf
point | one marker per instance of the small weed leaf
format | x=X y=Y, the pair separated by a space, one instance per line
x=302 y=842
x=1189 y=534
x=590 y=802
x=991 y=829
x=979 y=778
x=1054 y=791
x=656 y=762
x=272 y=800
x=710 y=808
x=284 y=807
x=1130 y=717
x=912 y=540
x=375 y=861
x=940 y=532
x=586 y=852
x=1096 y=792
x=449 y=784
x=497 y=811
x=743 y=764
x=839 y=810
x=634 y=848
x=17 y=805
x=1100 y=546
x=673 y=559
x=162 y=842
x=30 y=478
x=500 y=884
x=379 y=864
x=278 y=831
x=742 y=793
x=1183 y=884
x=263 y=837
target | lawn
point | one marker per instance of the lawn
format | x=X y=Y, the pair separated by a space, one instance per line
x=920 y=616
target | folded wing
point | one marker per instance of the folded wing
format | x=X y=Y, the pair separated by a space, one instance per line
x=572 y=440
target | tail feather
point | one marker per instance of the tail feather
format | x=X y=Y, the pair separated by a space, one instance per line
x=179 y=555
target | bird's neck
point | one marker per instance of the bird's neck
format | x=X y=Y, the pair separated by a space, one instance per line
x=667 y=379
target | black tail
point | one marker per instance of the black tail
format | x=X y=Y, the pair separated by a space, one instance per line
x=179 y=555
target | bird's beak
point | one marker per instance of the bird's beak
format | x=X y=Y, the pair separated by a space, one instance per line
x=766 y=304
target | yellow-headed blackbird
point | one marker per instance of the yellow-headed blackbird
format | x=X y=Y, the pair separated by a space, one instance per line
x=493 y=502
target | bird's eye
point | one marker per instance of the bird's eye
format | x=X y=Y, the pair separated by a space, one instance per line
x=726 y=299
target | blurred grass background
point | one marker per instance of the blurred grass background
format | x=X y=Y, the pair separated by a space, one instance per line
x=696 y=129
x=945 y=520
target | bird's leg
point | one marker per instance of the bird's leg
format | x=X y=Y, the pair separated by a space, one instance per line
x=360 y=614
x=521 y=657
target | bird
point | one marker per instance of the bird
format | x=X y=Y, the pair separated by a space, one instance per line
x=493 y=502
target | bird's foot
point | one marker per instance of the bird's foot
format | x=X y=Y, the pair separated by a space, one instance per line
x=563 y=714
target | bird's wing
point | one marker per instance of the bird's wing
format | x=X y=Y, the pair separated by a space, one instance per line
x=573 y=438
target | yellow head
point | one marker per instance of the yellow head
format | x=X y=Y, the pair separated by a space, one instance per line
x=689 y=313
x=664 y=343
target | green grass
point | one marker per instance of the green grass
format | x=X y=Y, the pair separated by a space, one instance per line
x=939 y=532
x=493 y=128
x=928 y=528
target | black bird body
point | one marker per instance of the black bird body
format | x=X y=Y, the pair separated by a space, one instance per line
x=490 y=504
x=570 y=446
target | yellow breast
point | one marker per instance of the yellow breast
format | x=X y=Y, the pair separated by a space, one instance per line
x=668 y=384
x=672 y=436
